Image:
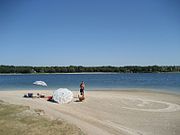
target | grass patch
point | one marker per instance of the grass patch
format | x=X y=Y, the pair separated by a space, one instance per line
x=20 y=120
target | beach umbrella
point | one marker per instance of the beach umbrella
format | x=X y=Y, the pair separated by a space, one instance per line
x=62 y=95
x=41 y=83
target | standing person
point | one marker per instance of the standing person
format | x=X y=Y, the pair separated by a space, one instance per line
x=82 y=86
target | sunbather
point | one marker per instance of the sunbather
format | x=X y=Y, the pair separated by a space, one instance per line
x=31 y=95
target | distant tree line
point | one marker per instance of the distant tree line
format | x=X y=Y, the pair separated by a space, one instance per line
x=79 y=69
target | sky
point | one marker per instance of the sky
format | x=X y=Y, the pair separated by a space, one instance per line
x=89 y=32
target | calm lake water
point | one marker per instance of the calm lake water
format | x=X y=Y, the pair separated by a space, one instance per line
x=161 y=81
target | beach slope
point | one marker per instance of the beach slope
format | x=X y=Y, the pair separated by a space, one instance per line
x=111 y=112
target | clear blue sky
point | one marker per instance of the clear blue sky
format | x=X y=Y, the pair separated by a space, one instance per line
x=89 y=33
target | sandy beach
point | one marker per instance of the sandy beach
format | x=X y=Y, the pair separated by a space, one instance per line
x=111 y=112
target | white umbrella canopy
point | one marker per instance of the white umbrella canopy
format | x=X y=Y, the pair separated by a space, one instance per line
x=62 y=95
x=41 y=83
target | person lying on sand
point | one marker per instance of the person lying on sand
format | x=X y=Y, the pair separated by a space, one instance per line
x=41 y=95
x=31 y=95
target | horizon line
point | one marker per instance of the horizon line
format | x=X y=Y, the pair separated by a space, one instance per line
x=90 y=66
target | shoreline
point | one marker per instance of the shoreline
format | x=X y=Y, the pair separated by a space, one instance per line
x=111 y=112
x=89 y=73
x=145 y=90
x=59 y=73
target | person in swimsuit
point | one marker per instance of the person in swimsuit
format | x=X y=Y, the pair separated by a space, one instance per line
x=82 y=86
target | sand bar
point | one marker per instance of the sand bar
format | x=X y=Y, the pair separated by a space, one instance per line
x=111 y=112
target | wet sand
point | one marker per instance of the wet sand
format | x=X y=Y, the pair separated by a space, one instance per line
x=111 y=112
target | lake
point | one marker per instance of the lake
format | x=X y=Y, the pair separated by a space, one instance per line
x=96 y=81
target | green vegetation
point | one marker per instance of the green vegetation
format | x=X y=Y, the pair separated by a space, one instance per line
x=78 y=69
x=20 y=120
